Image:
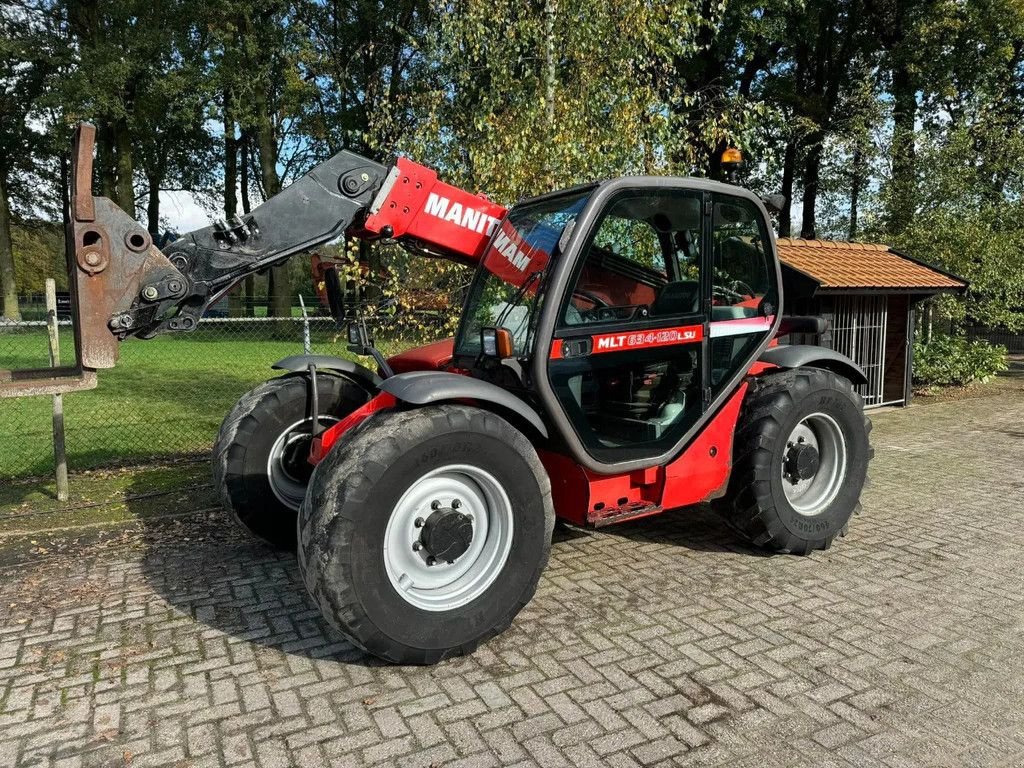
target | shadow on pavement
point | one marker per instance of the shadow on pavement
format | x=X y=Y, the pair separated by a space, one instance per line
x=1015 y=367
x=696 y=528
x=206 y=568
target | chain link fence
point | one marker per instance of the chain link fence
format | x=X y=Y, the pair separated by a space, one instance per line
x=168 y=395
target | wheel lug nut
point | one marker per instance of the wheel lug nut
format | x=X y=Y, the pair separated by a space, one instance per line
x=416 y=546
x=456 y=503
x=419 y=522
x=435 y=504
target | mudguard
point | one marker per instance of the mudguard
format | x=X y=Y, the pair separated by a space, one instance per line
x=426 y=387
x=297 y=363
x=797 y=355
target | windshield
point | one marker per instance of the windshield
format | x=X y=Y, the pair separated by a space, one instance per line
x=506 y=290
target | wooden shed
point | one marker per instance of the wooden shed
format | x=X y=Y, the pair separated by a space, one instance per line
x=867 y=293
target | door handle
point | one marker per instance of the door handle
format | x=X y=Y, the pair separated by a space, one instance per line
x=577 y=347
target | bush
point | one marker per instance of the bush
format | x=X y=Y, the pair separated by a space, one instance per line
x=955 y=361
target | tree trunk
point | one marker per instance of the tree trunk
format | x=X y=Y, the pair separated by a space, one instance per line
x=856 y=181
x=125 y=170
x=230 y=192
x=249 y=286
x=153 y=208
x=788 y=172
x=550 y=81
x=279 y=301
x=901 y=202
x=8 y=283
x=230 y=161
x=812 y=170
x=105 y=161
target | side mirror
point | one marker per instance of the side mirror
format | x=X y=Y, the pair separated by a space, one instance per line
x=496 y=343
x=361 y=343
x=359 y=339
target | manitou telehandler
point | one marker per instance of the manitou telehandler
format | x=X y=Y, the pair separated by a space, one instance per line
x=616 y=357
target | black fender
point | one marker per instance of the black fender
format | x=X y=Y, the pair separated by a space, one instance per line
x=428 y=387
x=799 y=355
x=299 y=363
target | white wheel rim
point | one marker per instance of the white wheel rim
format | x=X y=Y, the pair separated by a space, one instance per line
x=289 y=489
x=811 y=496
x=445 y=586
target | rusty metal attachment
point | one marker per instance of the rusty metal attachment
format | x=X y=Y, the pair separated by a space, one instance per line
x=122 y=285
x=108 y=256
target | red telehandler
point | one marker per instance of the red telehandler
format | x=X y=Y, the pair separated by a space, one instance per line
x=616 y=357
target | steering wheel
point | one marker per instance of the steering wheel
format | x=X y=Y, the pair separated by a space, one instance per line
x=742 y=289
x=593 y=298
x=727 y=294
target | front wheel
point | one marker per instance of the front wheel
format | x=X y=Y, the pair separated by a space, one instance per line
x=260 y=462
x=427 y=533
x=800 y=460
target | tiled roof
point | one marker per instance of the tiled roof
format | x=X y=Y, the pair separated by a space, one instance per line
x=835 y=264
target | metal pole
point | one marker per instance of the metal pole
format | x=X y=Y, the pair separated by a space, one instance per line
x=60 y=458
x=306 y=344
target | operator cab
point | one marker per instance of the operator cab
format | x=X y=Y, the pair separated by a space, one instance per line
x=633 y=307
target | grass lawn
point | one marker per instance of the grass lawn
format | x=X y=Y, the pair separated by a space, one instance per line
x=166 y=397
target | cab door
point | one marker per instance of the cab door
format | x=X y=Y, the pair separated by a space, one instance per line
x=744 y=287
x=628 y=362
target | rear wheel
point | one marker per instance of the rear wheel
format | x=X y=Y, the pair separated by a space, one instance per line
x=427 y=533
x=800 y=461
x=259 y=459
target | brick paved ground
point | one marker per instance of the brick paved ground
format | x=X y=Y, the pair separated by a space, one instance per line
x=661 y=642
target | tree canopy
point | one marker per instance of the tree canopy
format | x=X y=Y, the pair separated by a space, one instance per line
x=890 y=120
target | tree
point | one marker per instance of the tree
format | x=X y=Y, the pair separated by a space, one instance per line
x=25 y=64
x=709 y=60
x=257 y=47
x=828 y=33
x=173 y=147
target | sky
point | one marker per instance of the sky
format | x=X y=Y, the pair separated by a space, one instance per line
x=182 y=213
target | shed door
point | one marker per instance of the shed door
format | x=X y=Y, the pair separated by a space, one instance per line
x=859 y=331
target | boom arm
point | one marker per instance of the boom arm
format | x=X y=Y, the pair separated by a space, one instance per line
x=126 y=286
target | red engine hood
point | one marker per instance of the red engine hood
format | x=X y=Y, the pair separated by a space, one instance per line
x=430 y=357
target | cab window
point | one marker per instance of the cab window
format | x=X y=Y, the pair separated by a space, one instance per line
x=741 y=285
x=643 y=261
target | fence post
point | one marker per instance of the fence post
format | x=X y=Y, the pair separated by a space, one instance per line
x=307 y=345
x=60 y=459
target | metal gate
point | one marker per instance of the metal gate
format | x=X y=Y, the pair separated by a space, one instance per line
x=858 y=331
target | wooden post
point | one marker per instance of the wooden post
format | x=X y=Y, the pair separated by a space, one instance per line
x=60 y=459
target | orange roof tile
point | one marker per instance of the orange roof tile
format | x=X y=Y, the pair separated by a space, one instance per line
x=835 y=264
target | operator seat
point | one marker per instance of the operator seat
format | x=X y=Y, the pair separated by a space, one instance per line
x=680 y=297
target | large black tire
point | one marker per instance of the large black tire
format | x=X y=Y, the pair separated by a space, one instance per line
x=355 y=491
x=756 y=503
x=247 y=437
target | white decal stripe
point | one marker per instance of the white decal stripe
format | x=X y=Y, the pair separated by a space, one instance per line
x=740 y=327
x=385 y=190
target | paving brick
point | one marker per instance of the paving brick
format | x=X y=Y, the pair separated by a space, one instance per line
x=660 y=642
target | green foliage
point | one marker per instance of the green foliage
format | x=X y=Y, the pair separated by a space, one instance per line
x=970 y=229
x=895 y=121
x=39 y=254
x=955 y=361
